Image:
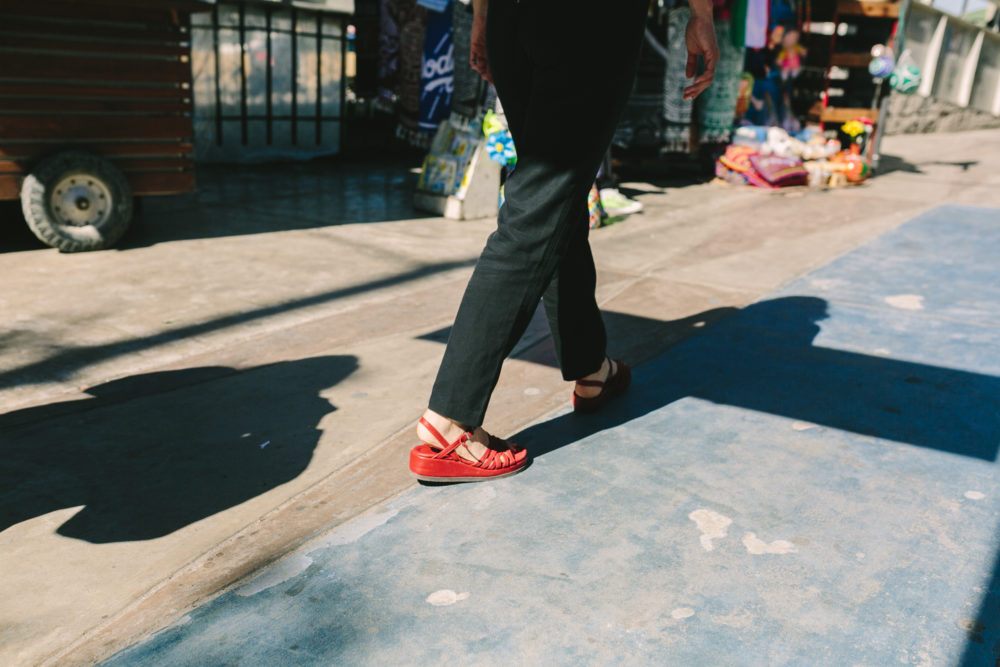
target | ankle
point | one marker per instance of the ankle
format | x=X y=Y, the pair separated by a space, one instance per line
x=601 y=373
x=449 y=429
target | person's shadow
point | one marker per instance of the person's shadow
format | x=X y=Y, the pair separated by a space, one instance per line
x=762 y=358
x=152 y=453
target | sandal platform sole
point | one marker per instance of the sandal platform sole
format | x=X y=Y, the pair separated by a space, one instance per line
x=429 y=478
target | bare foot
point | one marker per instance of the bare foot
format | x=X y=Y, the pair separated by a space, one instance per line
x=602 y=375
x=473 y=448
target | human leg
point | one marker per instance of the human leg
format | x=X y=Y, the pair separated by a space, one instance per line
x=559 y=149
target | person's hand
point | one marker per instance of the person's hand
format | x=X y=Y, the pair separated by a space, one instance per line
x=700 y=42
x=477 y=54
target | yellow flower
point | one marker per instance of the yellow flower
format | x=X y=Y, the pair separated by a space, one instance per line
x=853 y=128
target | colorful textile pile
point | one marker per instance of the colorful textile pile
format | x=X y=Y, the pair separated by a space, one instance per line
x=767 y=157
x=744 y=165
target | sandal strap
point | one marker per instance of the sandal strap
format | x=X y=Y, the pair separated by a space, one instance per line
x=600 y=383
x=447 y=449
x=491 y=458
x=494 y=458
x=436 y=433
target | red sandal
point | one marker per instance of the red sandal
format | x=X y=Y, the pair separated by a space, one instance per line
x=432 y=465
x=616 y=384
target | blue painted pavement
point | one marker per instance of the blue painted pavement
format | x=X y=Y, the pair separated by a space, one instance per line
x=812 y=481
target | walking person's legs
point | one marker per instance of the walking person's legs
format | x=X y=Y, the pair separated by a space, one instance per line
x=541 y=62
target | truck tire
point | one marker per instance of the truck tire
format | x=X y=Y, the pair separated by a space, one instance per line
x=77 y=201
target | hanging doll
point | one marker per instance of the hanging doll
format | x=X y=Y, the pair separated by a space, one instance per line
x=791 y=55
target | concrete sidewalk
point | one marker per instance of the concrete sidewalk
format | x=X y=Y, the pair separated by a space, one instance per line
x=812 y=481
x=244 y=372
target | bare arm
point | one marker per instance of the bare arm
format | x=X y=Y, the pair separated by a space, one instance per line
x=477 y=53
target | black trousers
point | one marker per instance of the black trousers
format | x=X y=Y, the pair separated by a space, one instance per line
x=563 y=97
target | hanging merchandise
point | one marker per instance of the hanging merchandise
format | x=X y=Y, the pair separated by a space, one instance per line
x=755 y=34
x=882 y=63
x=434 y=5
x=459 y=179
x=412 y=22
x=906 y=76
x=499 y=144
x=717 y=105
x=641 y=125
x=438 y=69
x=676 y=109
x=388 y=52
x=738 y=25
x=469 y=88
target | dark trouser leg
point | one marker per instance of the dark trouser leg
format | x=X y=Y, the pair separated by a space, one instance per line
x=571 y=308
x=606 y=179
x=542 y=64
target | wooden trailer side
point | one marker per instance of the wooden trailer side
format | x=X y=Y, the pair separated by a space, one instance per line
x=113 y=78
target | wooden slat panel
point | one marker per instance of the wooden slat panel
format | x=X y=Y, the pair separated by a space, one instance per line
x=850 y=59
x=22 y=66
x=154 y=164
x=191 y=6
x=10 y=186
x=136 y=33
x=143 y=183
x=161 y=183
x=70 y=90
x=56 y=128
x=123 y=13
x=844 y=114
x=35 y=151
x=870 y=8
x=126 y=164
x=55 y=105
x=46 y=43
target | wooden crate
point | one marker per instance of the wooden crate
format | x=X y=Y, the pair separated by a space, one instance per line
x=110 y=77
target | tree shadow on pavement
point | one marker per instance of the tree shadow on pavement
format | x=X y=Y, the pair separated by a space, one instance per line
x=762 y=358
x=152 y=453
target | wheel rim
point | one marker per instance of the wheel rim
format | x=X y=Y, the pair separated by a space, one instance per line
x=81 y=200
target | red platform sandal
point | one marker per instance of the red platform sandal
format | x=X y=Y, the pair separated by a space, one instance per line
x=444 y=465
x=616 y=384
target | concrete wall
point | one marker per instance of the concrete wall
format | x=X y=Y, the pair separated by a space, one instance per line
x=960 y=67
x=913 y=114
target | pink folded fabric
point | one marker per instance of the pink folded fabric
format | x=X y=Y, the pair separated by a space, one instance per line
x=780 y=171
